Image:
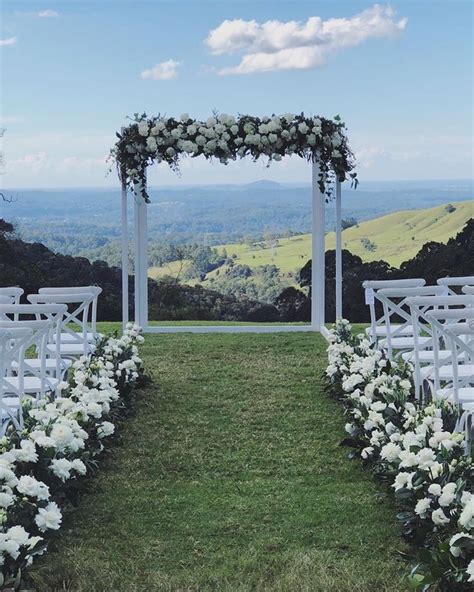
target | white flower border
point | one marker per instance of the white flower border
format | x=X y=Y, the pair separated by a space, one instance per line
x=415 y=449
x=158 y=139
x=59 y=444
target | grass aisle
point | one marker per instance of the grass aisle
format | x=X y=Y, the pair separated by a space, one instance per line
x=230 y=478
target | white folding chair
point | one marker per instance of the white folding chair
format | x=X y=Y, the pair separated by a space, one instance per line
x=74 y=324
x=432 y=360
x=51 y=363
x=34 y=381
x=400 y=338
x=459 y=338
x=378 y=328
x=96 y=291
x=11 y=294
x=13 y=346
x=456 y=282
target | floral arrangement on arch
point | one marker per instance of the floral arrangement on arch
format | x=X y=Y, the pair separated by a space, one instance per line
x=416 y=451
x=158 y=139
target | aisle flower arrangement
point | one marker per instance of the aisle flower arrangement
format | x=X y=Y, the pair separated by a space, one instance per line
x=43 y=467
x=149 y=140
x=416 y=451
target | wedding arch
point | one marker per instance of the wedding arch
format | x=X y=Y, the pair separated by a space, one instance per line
x=149 y=140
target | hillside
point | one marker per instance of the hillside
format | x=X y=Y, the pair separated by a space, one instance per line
x=399 y=236
x=393 y=238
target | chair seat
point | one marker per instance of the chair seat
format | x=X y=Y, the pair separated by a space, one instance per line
x=12 y=404
x=465 y=395
x=31 y=384
x=50 y=363
x=381 y=330
x=68 y=338
x=427 y=355
x=446 y=372
x=405 y=342
x=70 y=349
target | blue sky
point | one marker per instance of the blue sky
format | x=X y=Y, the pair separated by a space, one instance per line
x=73 y=70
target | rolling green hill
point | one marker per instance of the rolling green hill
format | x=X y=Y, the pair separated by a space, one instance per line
x=394 y=238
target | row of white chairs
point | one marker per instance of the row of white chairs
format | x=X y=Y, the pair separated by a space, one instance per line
x=431 y=327
x=39 y=341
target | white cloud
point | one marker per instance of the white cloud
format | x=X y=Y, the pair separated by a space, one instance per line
x=9 y=41
x=162 y=71
x=367 y=156
x=32 y=163
x=47 y=14
x=276 y=45
x=6 y=119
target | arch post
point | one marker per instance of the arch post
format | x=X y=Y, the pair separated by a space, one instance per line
x=318 y=272
x=141 y=261
x=338 y=252
x=124 y=256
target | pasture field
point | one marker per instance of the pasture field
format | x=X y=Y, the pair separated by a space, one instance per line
x=394 y=238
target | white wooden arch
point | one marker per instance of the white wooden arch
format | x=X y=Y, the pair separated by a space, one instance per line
x=317 y=276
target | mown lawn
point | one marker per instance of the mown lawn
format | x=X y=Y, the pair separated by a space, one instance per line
x=230 y=477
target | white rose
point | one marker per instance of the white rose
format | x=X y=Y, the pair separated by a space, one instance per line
x=18 y=534
x=434 y=489
x=30 y=486
x=422 y=507
x=439 y=517
x=470 y=571
x=106 y=428
x=6 y=500
x=184 y=116
x=151 y=144
x=303 y=128
x=455 y=550
x=49 y=517
x=448 y=494
x=143 y=128
x=61 y=467
x=78 y=466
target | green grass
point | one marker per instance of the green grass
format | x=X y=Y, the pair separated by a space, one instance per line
x=398 y=237
x=230 y=478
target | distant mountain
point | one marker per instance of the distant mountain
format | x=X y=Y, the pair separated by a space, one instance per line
x=264 y=184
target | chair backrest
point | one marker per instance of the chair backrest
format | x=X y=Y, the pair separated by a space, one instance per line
x=469 y=290
x=370 y=289
x=395 y=303
x=13 y=294
x=22 y=337
x=14 y=343
x=458 y=338
x=427 y=310
x=11 y=314
x=456 y=282
x=95 y=290
x=76 y=317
